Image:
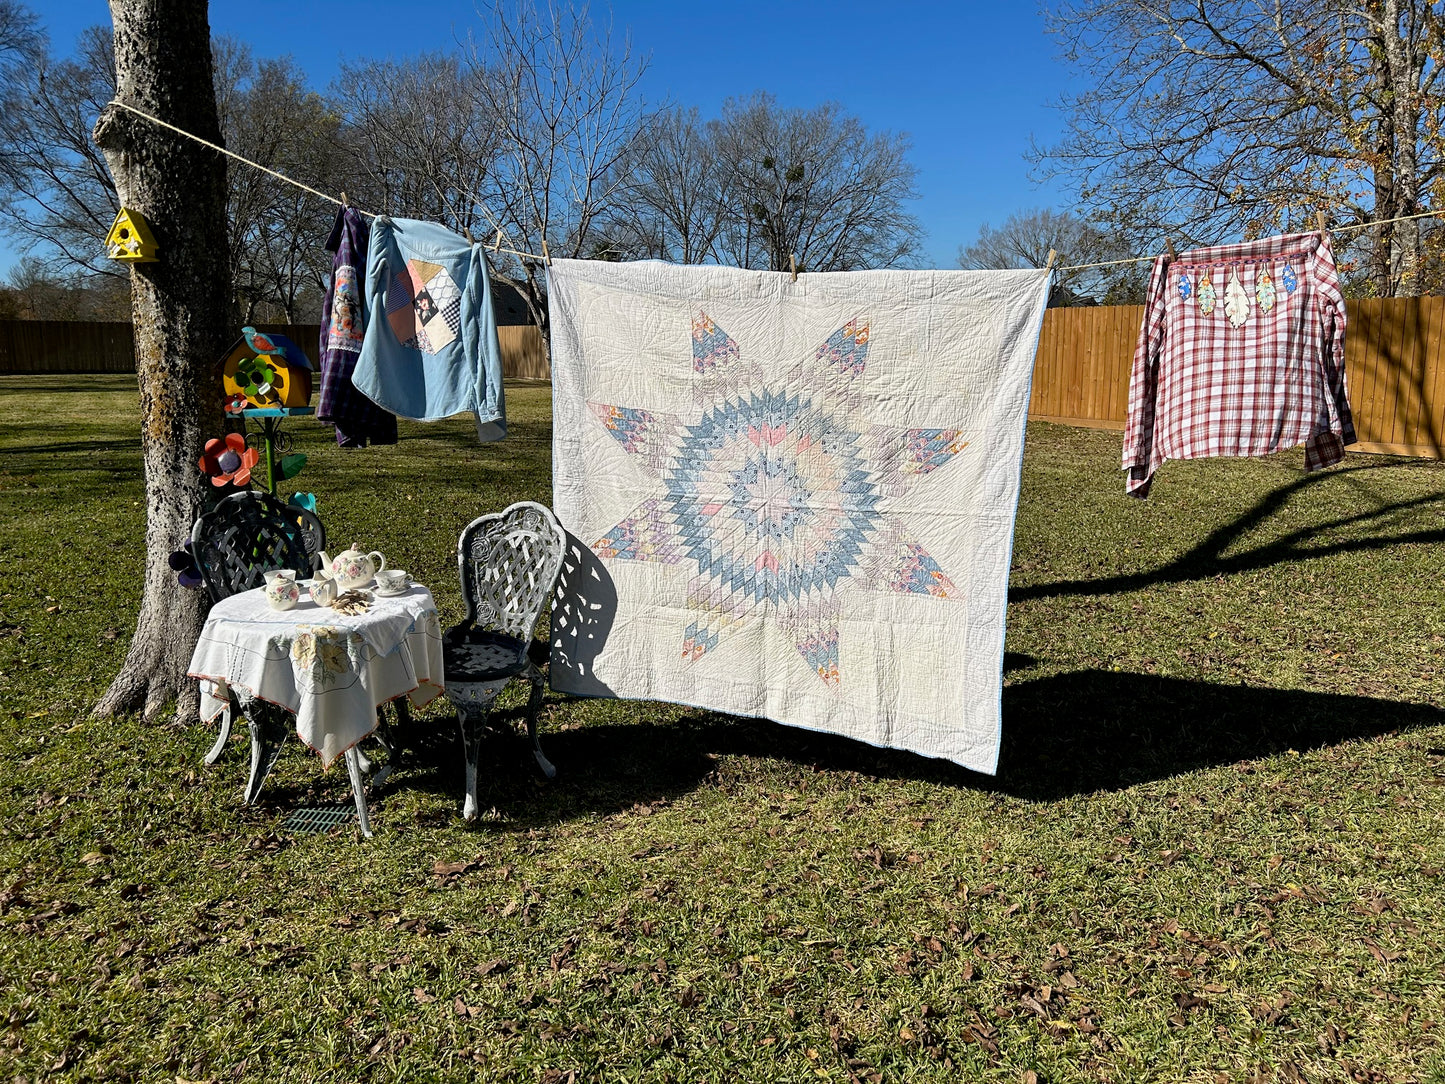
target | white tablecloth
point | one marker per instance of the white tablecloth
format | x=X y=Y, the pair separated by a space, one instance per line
x=333 y=671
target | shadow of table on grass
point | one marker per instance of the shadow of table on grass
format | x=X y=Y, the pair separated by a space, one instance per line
x=1075 y=733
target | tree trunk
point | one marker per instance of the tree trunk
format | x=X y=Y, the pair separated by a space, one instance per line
x=180 y=307
x=1405 y=74
x=1381 y=269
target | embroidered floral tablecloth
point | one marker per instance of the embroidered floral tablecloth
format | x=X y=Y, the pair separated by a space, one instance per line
x=331 y=670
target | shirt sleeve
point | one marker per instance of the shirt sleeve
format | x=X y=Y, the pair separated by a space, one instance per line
x=1144 y=386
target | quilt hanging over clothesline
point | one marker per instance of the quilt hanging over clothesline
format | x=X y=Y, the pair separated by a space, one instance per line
x=793 y=499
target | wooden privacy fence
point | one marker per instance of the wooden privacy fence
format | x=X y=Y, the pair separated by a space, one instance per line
x=78 y=346
x=1394 y=370
x=1394 y=362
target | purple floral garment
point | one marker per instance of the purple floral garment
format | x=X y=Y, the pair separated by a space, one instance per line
x=358 y=420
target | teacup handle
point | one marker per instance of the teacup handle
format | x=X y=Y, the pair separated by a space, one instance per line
x=380 y=560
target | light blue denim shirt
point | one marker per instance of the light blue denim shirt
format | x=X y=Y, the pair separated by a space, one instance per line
x=430 y=349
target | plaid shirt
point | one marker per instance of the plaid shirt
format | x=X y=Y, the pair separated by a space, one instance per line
x=1242 y=352
x=358 y=420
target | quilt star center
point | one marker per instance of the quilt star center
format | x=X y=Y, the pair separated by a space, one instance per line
x=771 y=495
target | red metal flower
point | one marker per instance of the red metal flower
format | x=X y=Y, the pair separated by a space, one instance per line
x=236 y=403
x=229 y=460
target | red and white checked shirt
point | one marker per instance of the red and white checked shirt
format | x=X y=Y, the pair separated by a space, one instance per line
x=1246 y=371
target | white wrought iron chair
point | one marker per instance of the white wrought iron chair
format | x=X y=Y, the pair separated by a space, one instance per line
x=509 y=562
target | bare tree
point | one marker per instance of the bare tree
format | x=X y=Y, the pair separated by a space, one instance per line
x=58 y=198
x=180 y=309
x=814 y=183
x=56 y=190
x=1204 y=120
x=268 y=115
x=670 y=201
x=1025 y=238
x=563 y=97
x=417 y=138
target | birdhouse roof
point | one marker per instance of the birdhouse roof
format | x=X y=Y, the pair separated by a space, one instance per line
x=133 y=222
x=293 y=355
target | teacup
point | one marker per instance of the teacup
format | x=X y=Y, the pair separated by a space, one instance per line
x=281 y=590
x=391 y=581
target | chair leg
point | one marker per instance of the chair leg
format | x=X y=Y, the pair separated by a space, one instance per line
x=472 y=718
x=269 y=727
x=389 y=739
x=534 y=705
x=225 y=735
x=358 y=790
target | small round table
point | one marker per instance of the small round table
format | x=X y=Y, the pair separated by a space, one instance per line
x=329 y=670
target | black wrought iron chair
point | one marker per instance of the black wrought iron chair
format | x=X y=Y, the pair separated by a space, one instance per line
x=235 y=544
x=509 y=562
x=249 y=534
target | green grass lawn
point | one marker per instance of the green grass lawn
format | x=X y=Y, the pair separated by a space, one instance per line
x=1213 y=850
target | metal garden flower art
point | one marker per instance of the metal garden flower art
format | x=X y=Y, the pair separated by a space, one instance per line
x=183 y=563
x=228 y=460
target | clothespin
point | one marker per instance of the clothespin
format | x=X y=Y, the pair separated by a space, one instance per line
x=1322 y=222
x=793 y=263
x=546 y=256
x=497 y=244
x=468 y=235
x=344 y=201
x=1049 y=266
x=1169 y=252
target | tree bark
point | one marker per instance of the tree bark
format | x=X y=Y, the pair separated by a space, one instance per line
x=1405 y=72
x=180 y=307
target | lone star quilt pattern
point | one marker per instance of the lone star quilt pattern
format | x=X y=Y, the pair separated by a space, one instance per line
x=792 y=499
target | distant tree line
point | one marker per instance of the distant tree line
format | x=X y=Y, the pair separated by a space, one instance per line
x=536 y=126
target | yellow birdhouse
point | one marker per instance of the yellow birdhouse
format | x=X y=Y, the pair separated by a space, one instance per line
x=267 y=371
x=130 y=239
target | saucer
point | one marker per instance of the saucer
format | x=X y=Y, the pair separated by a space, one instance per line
x=384 y=593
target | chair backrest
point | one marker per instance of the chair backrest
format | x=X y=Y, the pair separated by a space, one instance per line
x=247 y=535
x=509 y=562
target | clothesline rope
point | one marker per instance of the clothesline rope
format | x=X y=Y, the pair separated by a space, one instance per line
x=1337 y=229
x=544 y=259
x=293 y=181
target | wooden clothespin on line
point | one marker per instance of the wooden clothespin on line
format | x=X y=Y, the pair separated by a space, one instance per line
x=468 y=235
x=793 y=264
x=497 y=244
x=1053 y=255
x=1322 y=222
x=546 y=256
x=1169 y=254
x=344 y=201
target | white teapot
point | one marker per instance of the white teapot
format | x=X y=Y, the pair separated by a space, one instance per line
x=352 y=568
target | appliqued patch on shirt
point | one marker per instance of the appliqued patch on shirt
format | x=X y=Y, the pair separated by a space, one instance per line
x=1287 y=277
x=423 y=306
x=1236 y=301
x=1206 y=294
x=1184 y=288
x=1264 y=292
x=346 y=330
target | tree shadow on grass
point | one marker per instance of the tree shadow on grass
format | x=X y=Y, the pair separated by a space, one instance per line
x=1207 y=560
x=1065 y=735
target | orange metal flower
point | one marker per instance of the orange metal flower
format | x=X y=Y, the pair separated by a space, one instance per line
x=228 y=460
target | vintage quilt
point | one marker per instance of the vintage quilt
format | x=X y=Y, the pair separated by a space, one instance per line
x=792 y=499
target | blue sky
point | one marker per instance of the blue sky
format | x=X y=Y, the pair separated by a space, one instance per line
x=969 y=82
